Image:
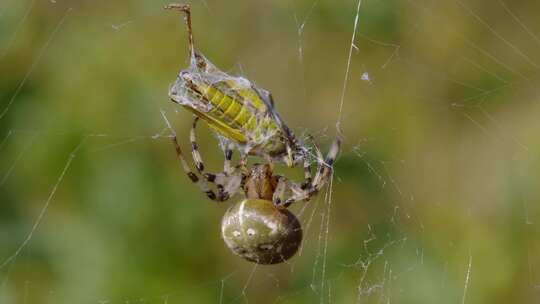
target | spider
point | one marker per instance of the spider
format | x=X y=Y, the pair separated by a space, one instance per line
x=241 y=114
x=259 y=228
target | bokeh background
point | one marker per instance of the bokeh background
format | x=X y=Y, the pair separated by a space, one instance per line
x=435 y=195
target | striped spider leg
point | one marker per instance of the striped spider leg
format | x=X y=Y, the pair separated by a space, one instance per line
x=259 y=181
x=227 y=182
x=310 y=187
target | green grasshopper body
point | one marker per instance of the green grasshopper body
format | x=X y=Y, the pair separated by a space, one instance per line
x=236 y=110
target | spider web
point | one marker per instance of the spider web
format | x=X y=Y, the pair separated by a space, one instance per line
x=432 y=199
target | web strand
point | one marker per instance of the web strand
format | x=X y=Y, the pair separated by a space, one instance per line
x=349 y=59
x=44 y=209
x=474 y=116
x=35 y=63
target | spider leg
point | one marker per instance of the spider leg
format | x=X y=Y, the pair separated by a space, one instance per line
x=194 y=147
x=301 y=195
x=232 y=184
x=285 y=187
x=192 y=176
x=227 y=168
x=307 y=173
x=307 y=166
x=220 y=179
x=231 y=188
x=324 y=171
x=279 y=192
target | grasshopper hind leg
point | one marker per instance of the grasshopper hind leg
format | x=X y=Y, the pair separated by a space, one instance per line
x=185 y=8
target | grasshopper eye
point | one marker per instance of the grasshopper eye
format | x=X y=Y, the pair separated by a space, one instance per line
x=186 y=77
x=174 y=91
x=183 y=74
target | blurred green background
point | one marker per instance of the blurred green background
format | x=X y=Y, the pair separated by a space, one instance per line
x=435 y=196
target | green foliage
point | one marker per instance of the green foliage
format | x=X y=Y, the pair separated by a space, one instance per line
x=439 y=165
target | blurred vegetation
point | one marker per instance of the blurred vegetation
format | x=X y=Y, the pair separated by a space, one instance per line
x=435 y=196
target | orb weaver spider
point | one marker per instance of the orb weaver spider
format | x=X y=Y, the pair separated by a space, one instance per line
x=259 y=228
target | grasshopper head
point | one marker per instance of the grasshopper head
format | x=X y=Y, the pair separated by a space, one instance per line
x=177 y=90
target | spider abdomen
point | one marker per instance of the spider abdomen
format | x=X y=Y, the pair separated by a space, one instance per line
x=260 y=232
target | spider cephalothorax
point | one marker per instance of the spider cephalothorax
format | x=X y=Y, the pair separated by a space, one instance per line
x=260 y=182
